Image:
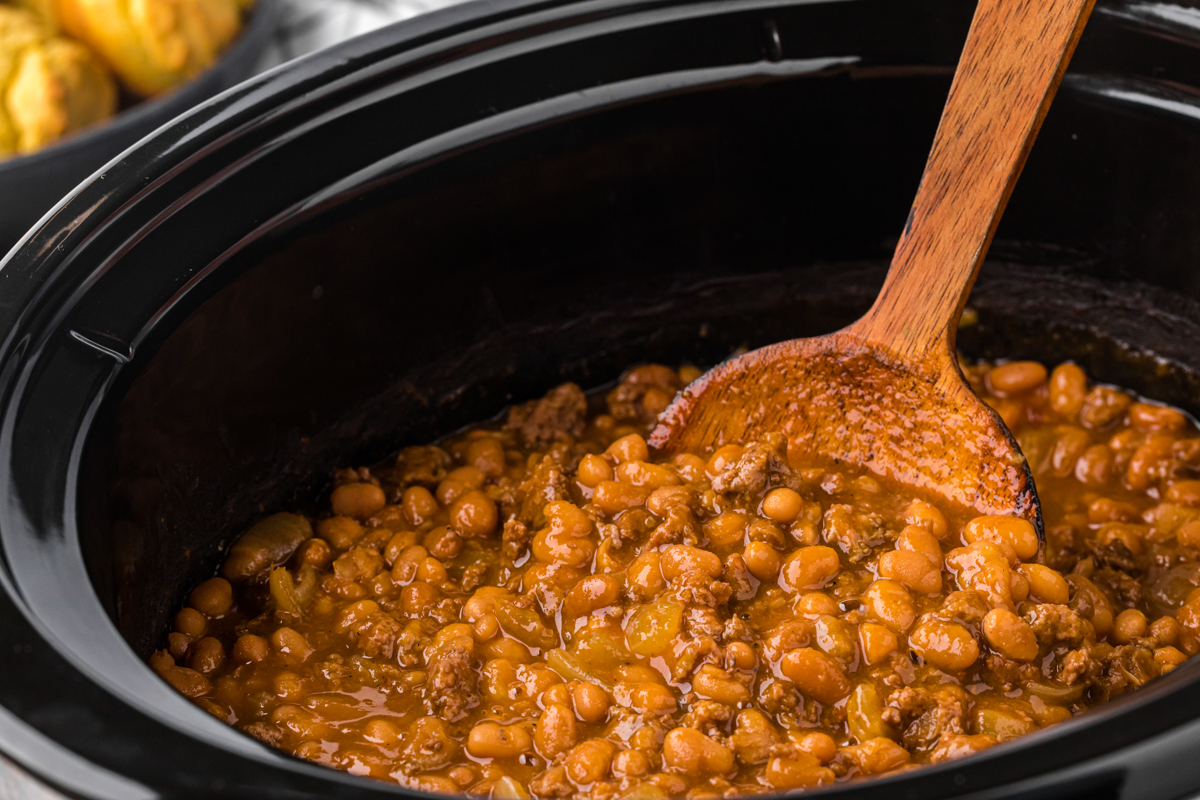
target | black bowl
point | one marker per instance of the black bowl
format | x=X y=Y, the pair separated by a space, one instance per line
x=378 y=244
x=31 y=185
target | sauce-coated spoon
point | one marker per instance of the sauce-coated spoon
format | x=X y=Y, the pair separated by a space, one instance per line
x=886 y=393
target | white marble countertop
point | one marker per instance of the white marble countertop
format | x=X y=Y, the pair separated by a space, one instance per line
x=310 y=25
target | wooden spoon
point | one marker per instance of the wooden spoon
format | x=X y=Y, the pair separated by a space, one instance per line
x=886 y=393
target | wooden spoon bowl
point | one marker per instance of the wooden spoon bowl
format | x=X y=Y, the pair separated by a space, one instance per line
x=886 y=393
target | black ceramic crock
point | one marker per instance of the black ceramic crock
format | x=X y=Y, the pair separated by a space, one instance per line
x=376 y=245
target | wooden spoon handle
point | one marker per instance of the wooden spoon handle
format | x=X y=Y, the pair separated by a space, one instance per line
x=1014 y=59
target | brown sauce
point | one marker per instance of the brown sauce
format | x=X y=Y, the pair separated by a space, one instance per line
x=539 y=608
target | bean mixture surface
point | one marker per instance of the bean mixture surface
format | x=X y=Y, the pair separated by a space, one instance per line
x=540 y=608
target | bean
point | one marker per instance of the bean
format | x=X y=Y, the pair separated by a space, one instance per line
x=355 y=614
x=613 y=497
x=809 y=568
x=727 y=529
x=187 y=682
x=1102 y=406
x=946 y=645
x=591 y=593
x=291 y=645
x=1185 y=493
x=693 y=753
x=918 y=539
x=550 y=547
x=591 y=702
x=191 y=623
x=1105 y=509
x=713 y=683
x=833 y=636
x=646 y=698
x=631 y=764
x=681 y=559
x=1071 y=444
x=890 y=603
x=628 y=448
x=1149 y=417
x=815 y=604
x=417 y=598
x=470 y=476
x=443 y=543
x=1013 y=532
x=474 y=514
x=555 y=732
x=357 y=500
x=250 y=648
x=1019 y=587
x=1165 y=631
x=493 y=740
x=1015 y=377
x=927 y=516
x=383 y=732
x=796 y=772
x=589 y=761
x=449 y=490
x=782 y=504
x=178 y=645
x=877 y=756
x=314 y=552
x=1095 y=465
x=431 y=570
x=818 y=745
x=419 y=504
x=213 y=598
x=646 y=475
x=1130 y=624
x=1143 y=467
x=913 y=570
x=741 y=655
x=1010 y=635
x=723 y=458
x=644 y=577
x=1045 y=584
x=1188 y=534
x=593 y=470
x=487 y=456
x=690 y=467
x=289 y=687
x=340 y=532
x=207 y=655
x=1068 y=385
x=815 y=674
x=762 y=560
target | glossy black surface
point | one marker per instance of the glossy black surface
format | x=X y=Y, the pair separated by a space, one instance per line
x=31 y=185
x=381 y=243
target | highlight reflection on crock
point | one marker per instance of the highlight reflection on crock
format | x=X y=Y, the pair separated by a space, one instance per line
x=63 y=63
x=539 y=607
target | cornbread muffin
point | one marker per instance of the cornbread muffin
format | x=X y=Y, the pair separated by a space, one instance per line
x=153 y=45
x=49 y=86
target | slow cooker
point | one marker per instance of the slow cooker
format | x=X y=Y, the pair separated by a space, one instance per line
x=376 y=245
